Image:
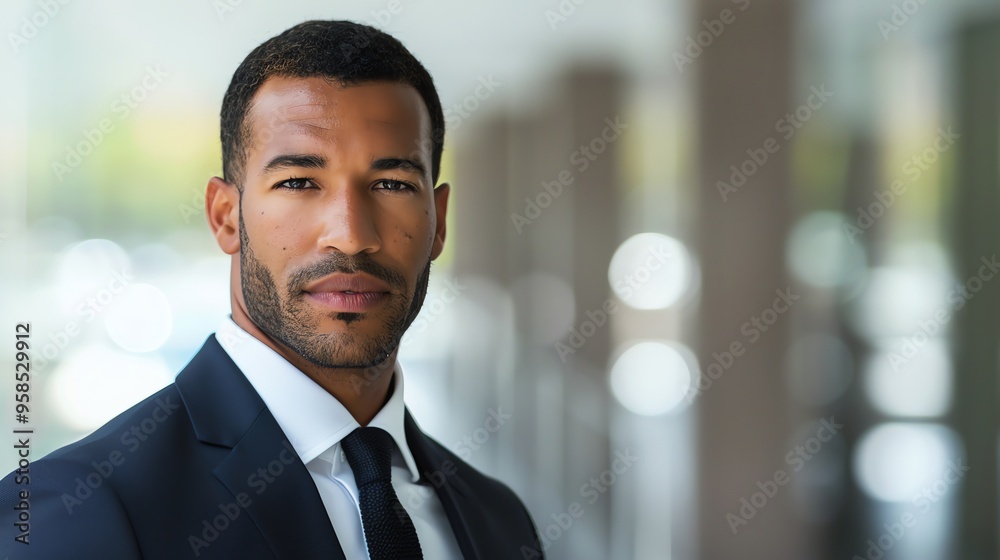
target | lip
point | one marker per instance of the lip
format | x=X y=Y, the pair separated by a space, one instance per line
x=348 y=303
x=340 y=282
x=348 y=292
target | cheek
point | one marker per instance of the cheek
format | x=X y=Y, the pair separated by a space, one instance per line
x=412 y=233
x=274 y=239
x=403 y=235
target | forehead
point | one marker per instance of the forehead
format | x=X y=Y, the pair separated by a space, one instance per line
x=383 y=115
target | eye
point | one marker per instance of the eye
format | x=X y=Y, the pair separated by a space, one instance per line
x=392 y=185
x=295 y=184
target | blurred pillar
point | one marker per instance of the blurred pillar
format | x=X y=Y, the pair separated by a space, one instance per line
x=745 y=428
x=481 y=265
x=595 y=109
x=538 y=144
x=977 y=325
x=851 y=526
x=572 y=234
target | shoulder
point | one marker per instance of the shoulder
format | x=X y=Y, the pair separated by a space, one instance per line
x=497 y=492
x=48 y=494
x=131 y=433
x=504 y=511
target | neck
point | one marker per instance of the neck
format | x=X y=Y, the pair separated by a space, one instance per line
x=362 y=391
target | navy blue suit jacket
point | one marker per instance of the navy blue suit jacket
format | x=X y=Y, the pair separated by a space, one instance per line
x=202 y=470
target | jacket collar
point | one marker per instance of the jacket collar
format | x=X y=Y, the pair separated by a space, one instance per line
x=283 y=503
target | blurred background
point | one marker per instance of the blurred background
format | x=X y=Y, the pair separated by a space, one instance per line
x=718 y=281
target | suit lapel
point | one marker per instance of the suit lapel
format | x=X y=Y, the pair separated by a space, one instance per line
x=465 y=515
x=284 y=503
x=262 y=471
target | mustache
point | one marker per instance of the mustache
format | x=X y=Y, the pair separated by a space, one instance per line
x=339 y=262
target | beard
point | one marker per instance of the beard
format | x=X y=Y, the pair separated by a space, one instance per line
x=289 y=319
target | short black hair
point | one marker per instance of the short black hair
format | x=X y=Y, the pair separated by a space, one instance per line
x=345 y=52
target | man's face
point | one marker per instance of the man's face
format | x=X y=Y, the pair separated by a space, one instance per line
x=337 y=185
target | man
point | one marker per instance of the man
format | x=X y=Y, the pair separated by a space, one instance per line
x=286 y=435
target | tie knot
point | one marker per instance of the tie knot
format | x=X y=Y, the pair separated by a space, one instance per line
x=369 y=452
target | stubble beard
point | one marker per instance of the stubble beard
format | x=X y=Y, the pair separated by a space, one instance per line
x=291 y=321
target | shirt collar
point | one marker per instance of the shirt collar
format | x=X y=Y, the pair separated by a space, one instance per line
x=311 y=418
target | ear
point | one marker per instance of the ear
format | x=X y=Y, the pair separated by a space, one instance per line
x=441 y=209
x=222 y=207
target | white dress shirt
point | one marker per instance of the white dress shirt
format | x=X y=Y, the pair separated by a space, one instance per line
x=315 y=422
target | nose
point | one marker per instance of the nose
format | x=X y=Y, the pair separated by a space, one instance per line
x=348 y=222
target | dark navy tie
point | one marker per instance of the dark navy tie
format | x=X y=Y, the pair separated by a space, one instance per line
x=388 y=528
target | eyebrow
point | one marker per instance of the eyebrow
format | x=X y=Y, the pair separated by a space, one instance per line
x=403 y=164
x=285 y=161
x=314 y=161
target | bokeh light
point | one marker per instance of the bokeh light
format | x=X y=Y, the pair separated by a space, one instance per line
x=820 y=253
x=141 y=319
x=95 y=383
x=903 y=384
x=652 y=378
x=895 y=461
x=651 y=271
